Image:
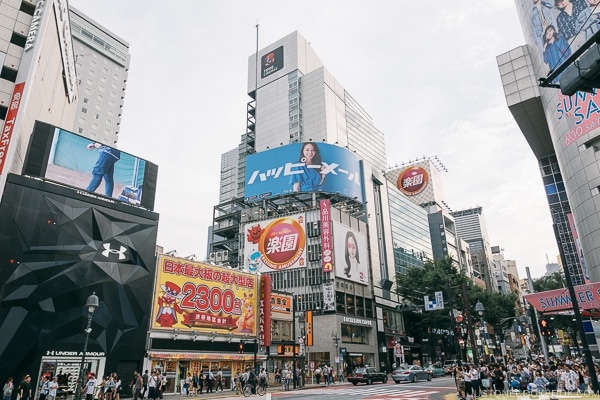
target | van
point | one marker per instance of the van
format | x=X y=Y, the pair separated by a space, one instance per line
x=449 y=365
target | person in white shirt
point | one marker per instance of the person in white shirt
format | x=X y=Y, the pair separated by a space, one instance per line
x=52 y=388
x=90 y=387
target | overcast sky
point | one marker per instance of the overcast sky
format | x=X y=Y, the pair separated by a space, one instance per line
x=424 y=70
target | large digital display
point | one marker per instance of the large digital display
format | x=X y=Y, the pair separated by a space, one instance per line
x=74 y=160
x=195 y=296
x=351 y=256
x=275 y=244
x=95 y=167
x=303 y=168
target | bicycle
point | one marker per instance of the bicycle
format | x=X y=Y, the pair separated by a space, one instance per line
x=261 y=389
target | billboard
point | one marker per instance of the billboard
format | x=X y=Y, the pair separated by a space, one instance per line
x=190 y=295
x=412 y=180
x=350 y=253
x=70 y=159
x=555 y=30
x=303 y=168
x=281 y=307
x=275 y=244
x=271 y=62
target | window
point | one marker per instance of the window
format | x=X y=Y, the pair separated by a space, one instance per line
x=355 y=334
x=8 y=73
x=85 y=100
x=3 y=111
x=95 y=125
x=83 y=110
x=81 y=120
x=88 y=90
x=97 y=116
x=105 y=70
x=108 y=122
x=18 y=40
x=27 y=9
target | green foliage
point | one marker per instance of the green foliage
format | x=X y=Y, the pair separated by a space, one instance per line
x=550 y=282
x=441 y=275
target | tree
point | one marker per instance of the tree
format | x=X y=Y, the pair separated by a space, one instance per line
x=442 y=276
x=550 y=282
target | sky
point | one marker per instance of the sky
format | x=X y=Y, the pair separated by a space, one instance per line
x=425 y=71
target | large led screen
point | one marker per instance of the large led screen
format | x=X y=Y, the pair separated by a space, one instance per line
x=303 y=168
x=73 y=160
x=275 y=244
x=351 y=256
x=195 y=296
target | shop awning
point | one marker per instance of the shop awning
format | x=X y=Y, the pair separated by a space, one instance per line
x=196 y=355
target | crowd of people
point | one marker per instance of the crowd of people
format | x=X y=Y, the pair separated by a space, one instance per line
x=569 y=375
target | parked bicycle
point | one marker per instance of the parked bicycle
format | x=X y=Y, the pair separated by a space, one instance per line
x=261 y=389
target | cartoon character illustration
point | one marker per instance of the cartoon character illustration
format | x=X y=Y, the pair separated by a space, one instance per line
x=254 y=233
x=168 y=306
x=253 y=261
x=247 y=320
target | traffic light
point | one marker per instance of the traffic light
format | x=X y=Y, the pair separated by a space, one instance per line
x=241 y=350
x=545 y=327
x=583 y=74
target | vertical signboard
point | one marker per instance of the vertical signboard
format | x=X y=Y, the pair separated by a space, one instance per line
x=309 y=328
x=264 y=311
x=326 y=237
x=9 y=122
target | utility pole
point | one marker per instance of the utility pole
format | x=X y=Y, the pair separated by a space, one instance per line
x=467 y=306
x=586 y=348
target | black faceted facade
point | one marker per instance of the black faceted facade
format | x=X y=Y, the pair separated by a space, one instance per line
x=58 y=245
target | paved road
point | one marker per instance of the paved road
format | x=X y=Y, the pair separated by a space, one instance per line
x=437 y=389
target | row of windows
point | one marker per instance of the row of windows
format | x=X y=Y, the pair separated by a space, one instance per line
x=350 y=304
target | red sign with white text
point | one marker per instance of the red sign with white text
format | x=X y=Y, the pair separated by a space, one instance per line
x=9 y=122
x=264 y=311
x=326 y=236
x=588 y=298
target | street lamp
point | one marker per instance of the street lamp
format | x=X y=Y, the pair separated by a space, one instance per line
x=91 y=304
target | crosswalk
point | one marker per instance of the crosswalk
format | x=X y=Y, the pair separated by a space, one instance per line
x=374 y=392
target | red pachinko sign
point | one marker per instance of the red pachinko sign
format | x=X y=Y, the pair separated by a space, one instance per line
x=412 y=180
x=9 y=122
x=326 y=236
x=264 y=311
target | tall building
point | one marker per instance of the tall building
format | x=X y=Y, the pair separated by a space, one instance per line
x=298 y=110
x=562 y=132
x=471 y=227
x=102 y=65
x=421 y=183
x=500 y=271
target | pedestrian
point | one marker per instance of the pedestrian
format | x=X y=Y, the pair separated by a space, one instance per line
x=237 y=383
x=152 y=382
x=90 y=387
x=186 y=384
x=8 y=388
x=318 y=375
x=44 y=388
x=219 y=378
x=210 y=377
x=137 y=385
x=52 y=388
x=145 y=377
x=25 y=388
x=118 y=386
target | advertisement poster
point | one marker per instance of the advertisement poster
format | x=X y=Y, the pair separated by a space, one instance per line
x=351 y=257
x=196 y=296
x=275 y=244
x=303 y=168
x=556 y=30
x=326 y=235
x=281 y=307
x=80 y=162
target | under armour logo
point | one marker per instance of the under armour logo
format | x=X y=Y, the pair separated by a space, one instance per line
x=109 y=250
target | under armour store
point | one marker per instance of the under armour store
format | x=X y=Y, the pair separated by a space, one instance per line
x=59 y=245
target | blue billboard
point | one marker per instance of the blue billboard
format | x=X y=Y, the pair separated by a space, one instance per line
x=303 y=168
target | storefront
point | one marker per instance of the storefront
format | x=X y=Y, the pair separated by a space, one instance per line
x=176 y=366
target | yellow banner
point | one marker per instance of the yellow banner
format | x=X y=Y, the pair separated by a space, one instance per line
x=200 y=297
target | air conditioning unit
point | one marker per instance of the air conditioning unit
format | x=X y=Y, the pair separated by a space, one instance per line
x=225 y=255
x=211 y=257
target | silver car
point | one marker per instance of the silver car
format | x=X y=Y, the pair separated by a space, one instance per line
x=411 y=373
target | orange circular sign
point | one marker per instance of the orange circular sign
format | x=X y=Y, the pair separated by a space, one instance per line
x=282 y=243
x=412 y=180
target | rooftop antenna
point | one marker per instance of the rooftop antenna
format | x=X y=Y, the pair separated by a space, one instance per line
x=257 y=66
